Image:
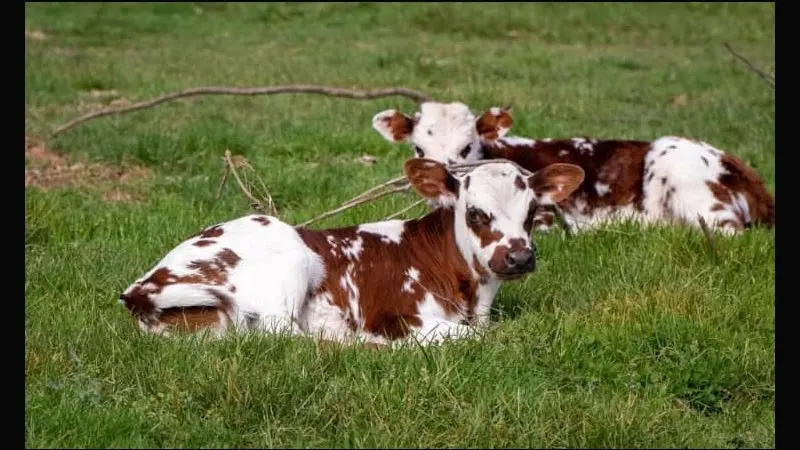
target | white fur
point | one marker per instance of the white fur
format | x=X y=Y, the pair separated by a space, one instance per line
x=684 y=170
x=517 y=141
x=388 y=230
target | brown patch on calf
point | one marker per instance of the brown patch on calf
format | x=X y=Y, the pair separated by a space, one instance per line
x=380 y=273
x=400 y=124
x=210 y=272
x=211 y=232
x=430 y=178
x=516 y=244
x=498 y=260
x=190 y=319
x=488 y=125
x=263 y=220
x=483 y=229
x=717 y=207
x=719 y=191
x=616 y=163
x=544 y=217
x=203 y=242
x=229 y=257
x=520 y=183
x=744 y=179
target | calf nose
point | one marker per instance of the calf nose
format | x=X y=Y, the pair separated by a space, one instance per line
x=519 y=258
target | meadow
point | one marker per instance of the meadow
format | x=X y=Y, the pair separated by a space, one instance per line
x=622 y=338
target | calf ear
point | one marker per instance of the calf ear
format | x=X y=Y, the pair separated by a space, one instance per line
x=494 y=123
x=431 y=179
x=555 y=182
x=393 y=125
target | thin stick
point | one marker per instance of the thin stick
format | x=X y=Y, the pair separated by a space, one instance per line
x=375 y=188
x=709 y=238
x=225 y=90
x=406 y=209
x=770 y=80
x=271 y=203
x=346 y=207
x=224 y=178
x=254 y=201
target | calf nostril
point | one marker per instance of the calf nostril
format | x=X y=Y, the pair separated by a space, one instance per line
x=519 y=258
x=510 y=260
x=525 y=257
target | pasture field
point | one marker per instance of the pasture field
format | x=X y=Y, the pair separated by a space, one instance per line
x=622 y=338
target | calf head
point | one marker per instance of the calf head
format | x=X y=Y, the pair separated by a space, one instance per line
x=493 y=207
x=445 y=132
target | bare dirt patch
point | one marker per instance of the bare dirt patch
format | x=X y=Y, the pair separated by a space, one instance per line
x=48 y=170
x=36 y=35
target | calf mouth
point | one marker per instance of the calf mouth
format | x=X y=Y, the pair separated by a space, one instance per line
x=515 y=273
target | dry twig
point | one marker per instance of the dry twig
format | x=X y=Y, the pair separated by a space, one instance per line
x=394 y=181
x=406 y=209
x=255 y=203
x=770 y=80
x=223 y=90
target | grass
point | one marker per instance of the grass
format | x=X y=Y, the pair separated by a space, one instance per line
x=623 y=338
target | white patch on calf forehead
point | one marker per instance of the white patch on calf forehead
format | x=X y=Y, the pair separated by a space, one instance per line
x=444 y=129
x=390 y=231
x=493 y=188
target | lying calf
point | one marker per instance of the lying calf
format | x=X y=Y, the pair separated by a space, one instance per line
x=423 y=279
x=668 y=180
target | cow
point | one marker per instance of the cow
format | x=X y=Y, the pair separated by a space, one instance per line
x=422 y=280
x=665 y=181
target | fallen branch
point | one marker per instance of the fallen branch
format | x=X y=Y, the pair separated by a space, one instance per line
x=770 y=80
x=222 y=90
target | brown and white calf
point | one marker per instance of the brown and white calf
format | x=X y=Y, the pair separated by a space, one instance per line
x=666 y=180
x=424 y=279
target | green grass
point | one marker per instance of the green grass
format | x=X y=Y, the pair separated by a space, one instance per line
x=623 y=338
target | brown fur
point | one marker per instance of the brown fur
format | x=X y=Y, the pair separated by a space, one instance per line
x=400 y=125
x=212 y=232
x=488 y=125
x=744 y=179
x=428 y=245
x=263 y=220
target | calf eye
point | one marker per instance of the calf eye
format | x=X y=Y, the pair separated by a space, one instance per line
x=475 y=216
x=464 y=153
x=419 y=151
